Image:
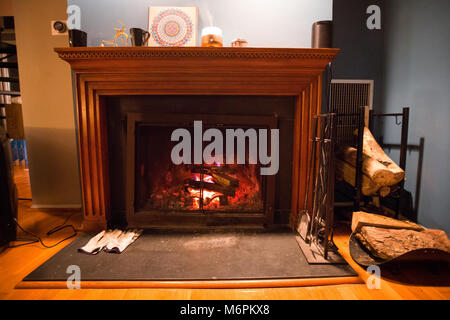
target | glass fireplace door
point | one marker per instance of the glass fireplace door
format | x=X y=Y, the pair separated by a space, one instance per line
x=220 y=189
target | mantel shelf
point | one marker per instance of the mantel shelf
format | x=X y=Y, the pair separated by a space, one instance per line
x=124 y=53
x=264 y=62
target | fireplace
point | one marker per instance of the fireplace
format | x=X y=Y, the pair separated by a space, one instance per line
x=130 y=100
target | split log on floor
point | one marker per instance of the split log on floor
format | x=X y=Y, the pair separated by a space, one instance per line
x=372 y=149
x=347 y=172
x=375 y=170
x=361 y=219
x=391 y=243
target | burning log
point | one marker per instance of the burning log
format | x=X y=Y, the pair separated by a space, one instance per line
x=223 y=200
x=218 y=175
x=225 y=180
x=210 y=186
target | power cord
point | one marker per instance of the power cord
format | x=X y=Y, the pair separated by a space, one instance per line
x=50 y=232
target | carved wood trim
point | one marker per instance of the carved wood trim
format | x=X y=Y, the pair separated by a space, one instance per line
x=194 y=52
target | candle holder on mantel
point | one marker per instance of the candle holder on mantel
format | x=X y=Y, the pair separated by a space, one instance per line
x=212 y=37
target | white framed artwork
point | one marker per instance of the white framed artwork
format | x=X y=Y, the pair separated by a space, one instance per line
x=173 y=26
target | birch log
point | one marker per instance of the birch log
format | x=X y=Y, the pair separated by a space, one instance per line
x=347 y=172
x=384 y=191
x=377 y=171
x=372 y=149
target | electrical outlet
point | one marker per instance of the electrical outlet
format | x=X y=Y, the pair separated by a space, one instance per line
x=58 y=27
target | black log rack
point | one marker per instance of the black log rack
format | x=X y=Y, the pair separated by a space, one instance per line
x=347 y=124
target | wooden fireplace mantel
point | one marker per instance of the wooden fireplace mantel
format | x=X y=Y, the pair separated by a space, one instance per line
x=102 y=71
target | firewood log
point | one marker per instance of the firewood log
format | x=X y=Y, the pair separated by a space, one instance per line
x=384 y=191
x=218 y=176
x=210 y=186
x=361 y=219
x=372 y=149
x=346 y=171
x=377 y=171
x=391 y=243
x=394 y=188
x=225 y=180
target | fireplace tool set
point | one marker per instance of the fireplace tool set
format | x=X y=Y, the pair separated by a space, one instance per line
x=315 y=222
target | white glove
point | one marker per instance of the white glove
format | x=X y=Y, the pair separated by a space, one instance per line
x=120 y=243
x=98 y=242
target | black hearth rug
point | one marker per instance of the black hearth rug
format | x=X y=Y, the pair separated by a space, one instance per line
x=173 y=255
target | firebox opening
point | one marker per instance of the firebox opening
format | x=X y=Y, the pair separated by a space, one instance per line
x=162 y=185
x=180 y=194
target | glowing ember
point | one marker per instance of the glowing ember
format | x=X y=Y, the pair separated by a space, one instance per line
x=210 y=198
x=216 y=187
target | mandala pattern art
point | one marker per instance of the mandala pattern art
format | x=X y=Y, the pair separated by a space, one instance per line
x=172 y=28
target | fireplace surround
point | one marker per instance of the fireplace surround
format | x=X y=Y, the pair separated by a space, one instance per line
x=103 y=75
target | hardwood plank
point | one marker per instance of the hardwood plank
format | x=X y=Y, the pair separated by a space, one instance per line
x=276 y=283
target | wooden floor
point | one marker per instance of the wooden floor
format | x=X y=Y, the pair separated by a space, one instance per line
x=16 y=263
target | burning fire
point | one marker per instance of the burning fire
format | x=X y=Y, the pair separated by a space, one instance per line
x=210 y=198
x=209 y=187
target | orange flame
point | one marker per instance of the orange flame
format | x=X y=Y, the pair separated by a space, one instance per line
x=207 y=195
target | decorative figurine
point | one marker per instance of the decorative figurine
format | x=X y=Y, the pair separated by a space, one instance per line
x=120 y=38
x=239 y=43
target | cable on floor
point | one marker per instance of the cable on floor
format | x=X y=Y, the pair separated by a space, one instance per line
x=38 y=239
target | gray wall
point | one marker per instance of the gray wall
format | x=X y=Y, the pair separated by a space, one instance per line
x=417 y=74
x=263 y=23
x=361 y=54
x=409 y=59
